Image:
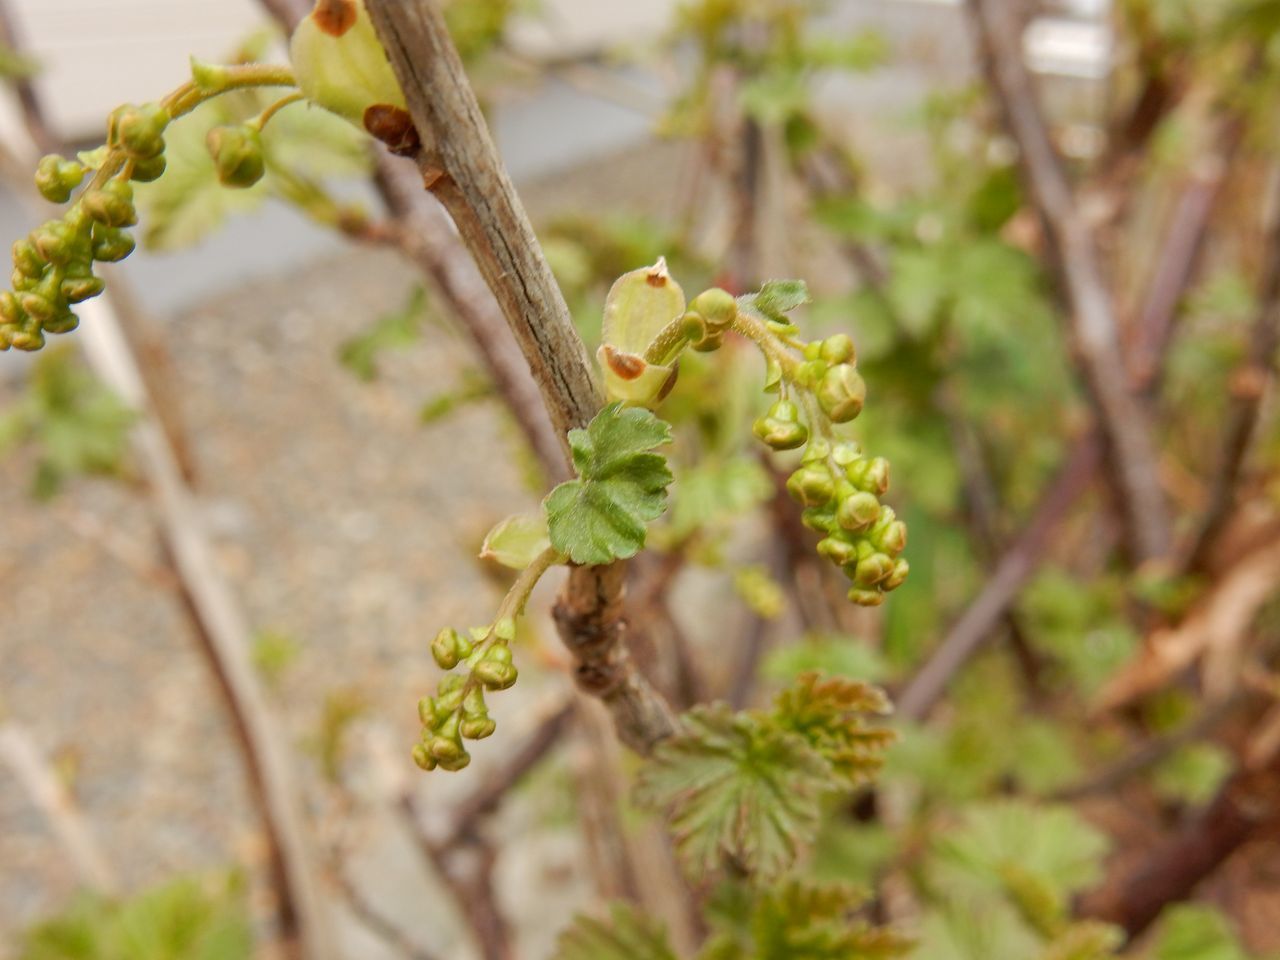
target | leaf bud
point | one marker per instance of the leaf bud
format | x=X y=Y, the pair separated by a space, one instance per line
x=57 y=177
x=858 y=512
x=111 y=204
x=237 y=154
x=866 y=596
x=872 y=570
x=139 y=131
x=477 y=728
x=838 y=349
x=811 y=485
x=842 y=393
x=717 y=307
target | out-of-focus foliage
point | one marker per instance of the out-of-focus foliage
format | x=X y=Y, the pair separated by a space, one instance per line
x=74 y=424
x=188 y=919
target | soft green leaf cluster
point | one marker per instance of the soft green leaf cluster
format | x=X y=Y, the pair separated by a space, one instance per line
x=187 y=919
x=746 y=788
x=76 y=424
x=621 y=486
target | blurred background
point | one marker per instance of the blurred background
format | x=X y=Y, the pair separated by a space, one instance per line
x=245 y=495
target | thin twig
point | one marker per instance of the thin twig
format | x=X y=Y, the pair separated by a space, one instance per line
x=1013 y=571
x=461 y=166
x=1123 y=418
x=375 y=921
x=1249 y=387
x=51 y=798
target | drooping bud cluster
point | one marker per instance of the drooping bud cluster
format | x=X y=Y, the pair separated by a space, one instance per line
x=458 y=710
x=840 y=490
x=53 y=266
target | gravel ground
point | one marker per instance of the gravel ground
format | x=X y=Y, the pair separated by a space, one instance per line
x=342 y=523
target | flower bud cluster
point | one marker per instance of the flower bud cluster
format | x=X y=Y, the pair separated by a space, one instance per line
x=840 y=490
x=709 y=317
x=458 y=711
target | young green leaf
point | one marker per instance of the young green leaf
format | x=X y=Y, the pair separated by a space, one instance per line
x=626 y=935
x=737 y=787
x=600 y=517
x=1196 y=932
x=517 y=540
x=777 y=298
x=831 y=714
x=640 y=304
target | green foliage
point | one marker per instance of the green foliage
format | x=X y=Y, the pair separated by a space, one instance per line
x=187 y=919
x=1196 y=932
x=395 y=330
x=517 y=541
x=76 y=425
x=274 y=652
x=1193 y=773
x=601 y=516
x=626 y=935
x=796 y=920
x=746 y=788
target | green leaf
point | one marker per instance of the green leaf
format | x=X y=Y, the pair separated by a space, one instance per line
x=1085 y=941
x=621 y=486
x=777 y=298
x=832 y=716
x=1051 y=842
x=715 y=491
x=736 y=788
x=796 y=920
x=626 y=935
x=1192 y=773
x=392 y=331
x=1194 y=932
x=517 y=541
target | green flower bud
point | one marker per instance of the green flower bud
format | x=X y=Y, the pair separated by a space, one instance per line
x=57 y=177
x=821 y=519
x=473 y=704
x=38 y=307
x=846 y=452
x=423 y=758
x=866 y=596
x=139 y=131
x=56 y=242
x=146 y=171
x=62 y=324
x=894 y=538
x=813 y=350
x=477 y=728
x=111 y=245
x=870 y=475
x=717 y=307
x=838 y=551
x=817 y=452
x=780 y=427
x=898 y=577
x=10 y=311
x=427 y=712
x=111 y=204
x=496 y=670
x=445 y=649
x=811 y=485
x=858 y=512
x=27 y=336
x=79 y=289
x=838 y=349
x=842 y=393
x=457 y=763
x=872 y=570
x=237 y=153
x=27 y=259
x=810 y=374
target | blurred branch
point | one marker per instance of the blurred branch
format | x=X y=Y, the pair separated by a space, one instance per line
x=49 y=795
x=373 y=919
x=1010 y=575
x=1249 y=386
x=460 y=165
x=1123 y=419
x=33 y=117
